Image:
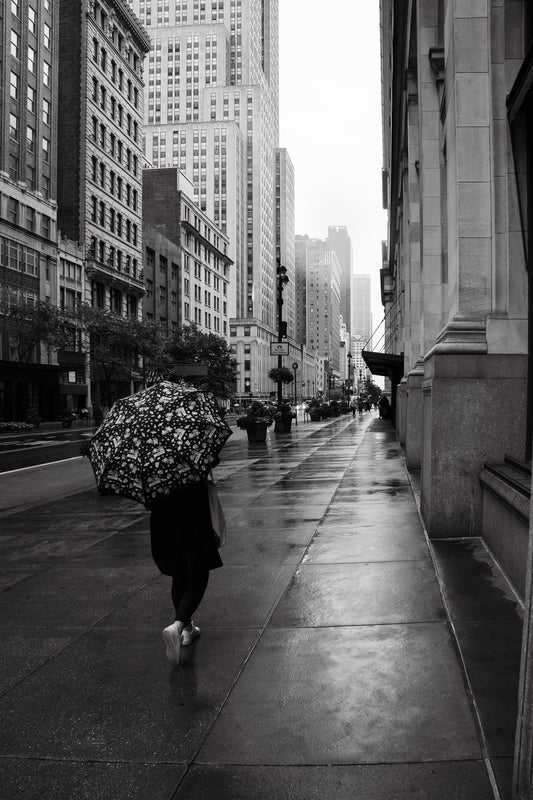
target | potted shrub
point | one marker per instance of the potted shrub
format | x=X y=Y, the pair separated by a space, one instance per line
x=66 y=418
x=255 y=422
x=325 y=410
x=32 y=417
x=281 y=375
x=334 y=408
x=314 y=410
x=283 y=418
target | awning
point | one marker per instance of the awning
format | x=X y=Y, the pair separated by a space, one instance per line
x=388 y=364
x=73 y=388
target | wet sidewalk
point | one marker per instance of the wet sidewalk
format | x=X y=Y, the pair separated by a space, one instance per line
x=341 y=656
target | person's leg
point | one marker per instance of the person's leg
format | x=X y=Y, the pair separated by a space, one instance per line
x=191 y=598
x=172 y=634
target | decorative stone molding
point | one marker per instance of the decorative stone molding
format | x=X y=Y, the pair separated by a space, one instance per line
x=438 y=67
x=436 y=60
x=416 y=370
x=460 y=337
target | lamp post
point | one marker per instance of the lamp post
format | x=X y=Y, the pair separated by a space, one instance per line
x=349 y=357
x=295 y=367
x=282 y=280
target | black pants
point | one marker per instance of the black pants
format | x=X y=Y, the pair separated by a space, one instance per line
x=188 y=588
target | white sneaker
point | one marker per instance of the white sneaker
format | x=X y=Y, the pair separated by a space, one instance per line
x=172 y=638
x=190 y=633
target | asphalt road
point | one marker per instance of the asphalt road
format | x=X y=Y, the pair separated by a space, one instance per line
x=41 y=447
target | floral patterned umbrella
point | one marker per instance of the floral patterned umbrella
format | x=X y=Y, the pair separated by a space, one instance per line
x=156 y=440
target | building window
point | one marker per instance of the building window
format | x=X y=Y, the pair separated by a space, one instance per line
x=47 y=36
x=15 y=45
x=45 y=226
x=32 y=60
x=13 y=126
x=46 y=112
x=32 y=20
x=30 y=218
x=14 y=85
x=46 y=150
x=12 y=210
x=47 y=74
x=30 y=103
x=30 y=139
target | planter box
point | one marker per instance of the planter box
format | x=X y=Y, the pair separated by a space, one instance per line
x=283 y=425
x=257 y=432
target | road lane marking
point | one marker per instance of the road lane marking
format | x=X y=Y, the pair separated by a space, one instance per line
x=47 y=464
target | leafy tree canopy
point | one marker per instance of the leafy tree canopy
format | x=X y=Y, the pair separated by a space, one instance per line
x=189 y=345
x=30 y=324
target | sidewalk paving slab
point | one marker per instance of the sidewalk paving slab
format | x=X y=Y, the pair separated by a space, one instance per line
x=342 y=655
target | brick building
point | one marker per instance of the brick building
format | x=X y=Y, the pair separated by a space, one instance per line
x=187 y=266
x=28 y=211
x=100 y=148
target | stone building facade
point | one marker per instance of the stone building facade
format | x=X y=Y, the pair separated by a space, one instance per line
x=187 y=266
x=100 y=155
x=456 y=277
x=28 y=209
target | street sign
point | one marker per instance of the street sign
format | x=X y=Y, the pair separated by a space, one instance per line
x=279 y=348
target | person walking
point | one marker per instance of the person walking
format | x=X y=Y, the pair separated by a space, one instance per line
x=185 y=547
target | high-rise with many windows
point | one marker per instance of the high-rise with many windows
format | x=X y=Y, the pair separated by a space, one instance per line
x=100 y=147
x=28 y=211
x=361 y=308
x=211 y=109
x=339 y=241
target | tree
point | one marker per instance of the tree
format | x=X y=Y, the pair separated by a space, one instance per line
x=118 y=350
x=189 y=345
x=372 y=390
x=29 y=326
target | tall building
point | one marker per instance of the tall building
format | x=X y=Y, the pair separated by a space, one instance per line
x=28 y=180
x=361 y=306
x=457 y=288
x=100 y=148
x=211 y=109
x=341 y=244
x=285 y=243
x=185 y=256
x=301 y=257
x=323 y=322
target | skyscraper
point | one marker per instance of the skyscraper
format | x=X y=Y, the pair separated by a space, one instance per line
x=339 y=241
x=28 y=181
x=323 y=302
x=100 y=147
x=211 y=109
x=362 y=317
x=285 y=244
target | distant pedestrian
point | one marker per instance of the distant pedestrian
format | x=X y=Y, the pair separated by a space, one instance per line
x=384 y=407
x=353 y=406
x=184 y=546
x=360 y=406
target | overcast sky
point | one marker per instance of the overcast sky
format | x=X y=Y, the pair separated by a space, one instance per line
x=330 y=123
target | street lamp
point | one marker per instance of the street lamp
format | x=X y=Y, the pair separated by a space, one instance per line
x=295 y=367
x=349 y=357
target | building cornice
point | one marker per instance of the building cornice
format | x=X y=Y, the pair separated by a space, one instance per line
x=195 y=232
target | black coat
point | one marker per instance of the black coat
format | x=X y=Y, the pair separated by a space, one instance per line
x=180 y=529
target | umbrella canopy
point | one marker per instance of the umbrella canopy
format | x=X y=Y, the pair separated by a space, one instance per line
x=156 y=440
